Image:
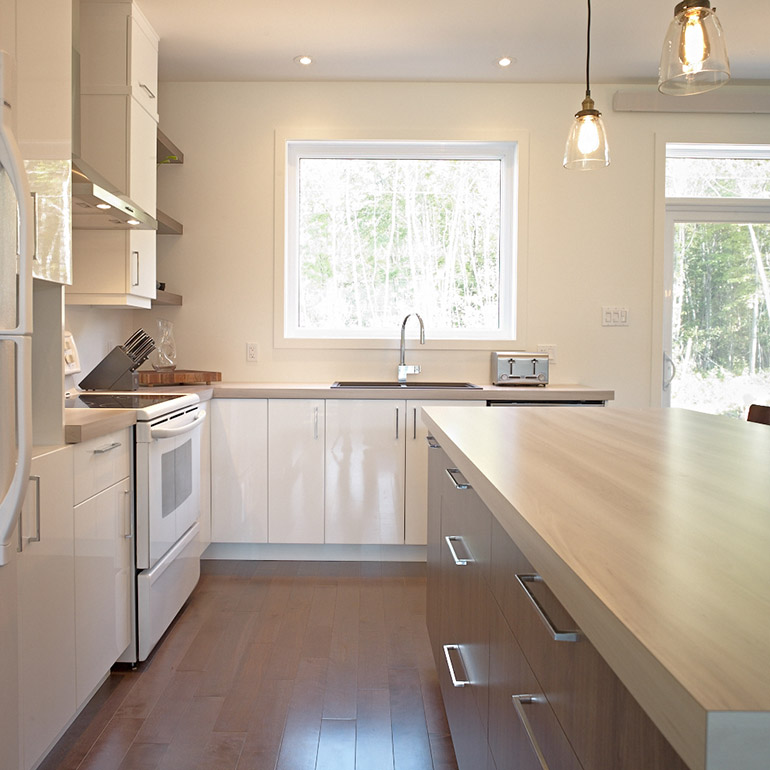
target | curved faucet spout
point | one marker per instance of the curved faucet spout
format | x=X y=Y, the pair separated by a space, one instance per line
x=403 y=369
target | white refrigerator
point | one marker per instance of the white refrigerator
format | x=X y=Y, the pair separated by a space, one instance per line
x=15 y=395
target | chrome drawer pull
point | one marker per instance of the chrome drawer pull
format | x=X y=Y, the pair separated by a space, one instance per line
x=519 y=701
x=458 y=479
x=432 y=443
x=108 y=448
x=556 y=634
x=450 y=539
x=455 y=681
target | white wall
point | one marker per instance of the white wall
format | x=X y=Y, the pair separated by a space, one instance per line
x=591 y=235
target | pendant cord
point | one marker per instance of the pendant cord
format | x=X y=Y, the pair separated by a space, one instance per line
x=588 y=51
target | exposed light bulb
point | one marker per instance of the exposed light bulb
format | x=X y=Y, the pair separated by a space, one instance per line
x=694 y=46
x=588 y=135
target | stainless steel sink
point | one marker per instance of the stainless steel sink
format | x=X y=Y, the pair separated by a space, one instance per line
x=409 y=385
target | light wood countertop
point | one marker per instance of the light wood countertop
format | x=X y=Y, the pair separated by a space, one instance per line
x=483 y=393
x=85 y=424
x=653 y=529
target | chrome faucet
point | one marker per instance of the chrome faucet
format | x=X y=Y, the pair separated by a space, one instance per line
x=403 y=369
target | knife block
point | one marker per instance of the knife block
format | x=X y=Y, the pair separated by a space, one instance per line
x=114 y=372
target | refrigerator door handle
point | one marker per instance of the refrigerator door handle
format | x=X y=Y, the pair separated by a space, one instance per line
x=11 y=503
x=11 y=160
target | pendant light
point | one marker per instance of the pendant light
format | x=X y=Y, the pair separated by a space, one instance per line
x=587 y=147
x=694 y=57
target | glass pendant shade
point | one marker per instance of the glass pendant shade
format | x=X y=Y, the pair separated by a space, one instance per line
x=587 y=146
x=694 y=57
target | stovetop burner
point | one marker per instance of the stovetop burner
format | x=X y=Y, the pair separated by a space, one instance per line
x=118 y=400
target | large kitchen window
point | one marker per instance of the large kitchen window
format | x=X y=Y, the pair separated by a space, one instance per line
x=717 y=314
x=377 y=230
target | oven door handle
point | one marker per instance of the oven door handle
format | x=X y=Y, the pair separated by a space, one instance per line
x=156 y=433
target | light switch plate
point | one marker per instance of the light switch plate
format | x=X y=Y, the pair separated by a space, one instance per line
x=550 y=349
x=614 y=315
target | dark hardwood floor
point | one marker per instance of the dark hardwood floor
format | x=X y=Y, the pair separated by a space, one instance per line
x=277 y=666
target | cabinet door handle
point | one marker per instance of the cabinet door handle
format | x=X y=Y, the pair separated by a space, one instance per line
x=129 y=530
x=148 y=90
x=414 y=427
x=458 y=479
x=135 y=277
x=36 y=537
x=455 y=681
x=397 y=421
x=432 y=443
x=35 y=228
x=108 y=448
x=315 y=423
x=450 y=539
x=556 y=634
x=519 y=701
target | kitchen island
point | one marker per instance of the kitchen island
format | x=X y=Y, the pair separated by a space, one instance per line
x=652 y=529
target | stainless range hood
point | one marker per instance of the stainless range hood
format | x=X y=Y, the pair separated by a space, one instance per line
x=96 y=205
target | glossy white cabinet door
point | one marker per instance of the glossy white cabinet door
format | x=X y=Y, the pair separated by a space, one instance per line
x=416 y=494
x=239 y=470
x=364 y=488
x=296 y=470
x=103 y=539
x=46 y=605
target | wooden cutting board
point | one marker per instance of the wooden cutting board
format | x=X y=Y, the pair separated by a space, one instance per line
x=178 y=377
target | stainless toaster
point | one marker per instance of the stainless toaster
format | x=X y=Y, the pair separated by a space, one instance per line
x=519 y=368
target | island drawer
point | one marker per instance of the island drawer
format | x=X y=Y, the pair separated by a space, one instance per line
x=521 y=720
x=606 y=726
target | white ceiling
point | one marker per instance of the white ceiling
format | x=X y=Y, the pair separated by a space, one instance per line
x=439 y=40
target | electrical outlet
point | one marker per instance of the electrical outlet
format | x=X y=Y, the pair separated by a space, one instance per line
x=550 y=349
x=613 y=315
x=252 y=352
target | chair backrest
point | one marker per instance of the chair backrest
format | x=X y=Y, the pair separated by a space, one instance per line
x=759 y=413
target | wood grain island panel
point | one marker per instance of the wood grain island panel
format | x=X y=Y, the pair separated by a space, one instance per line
x=652 y=528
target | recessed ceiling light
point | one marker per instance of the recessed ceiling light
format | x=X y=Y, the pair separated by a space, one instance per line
x=104 y=206
x=304 y=60
x=133 y=222
x=506 y=61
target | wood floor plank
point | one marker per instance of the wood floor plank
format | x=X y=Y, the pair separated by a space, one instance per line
x=222 y=752
x=171 y=709
x=411 y=747
x=320 y=621
x=299 y=748
x=372 y=654
x=263 y=740
x=337 y=745
x=374 y=739
x=239 y=703
x=224 y=662
x=442 y=752
x=143 y=756
x=110 y=748
x=192 y=735
x=340 y=697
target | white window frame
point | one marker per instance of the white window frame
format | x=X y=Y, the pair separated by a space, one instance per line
x=512 y=149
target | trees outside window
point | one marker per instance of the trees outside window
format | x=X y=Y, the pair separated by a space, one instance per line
x=379 y=230
x=718 y=212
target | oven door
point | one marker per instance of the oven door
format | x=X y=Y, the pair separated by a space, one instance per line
x=168 y=483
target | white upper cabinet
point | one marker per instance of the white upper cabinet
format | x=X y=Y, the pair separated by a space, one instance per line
x=118 y=52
